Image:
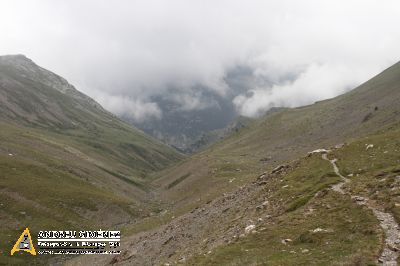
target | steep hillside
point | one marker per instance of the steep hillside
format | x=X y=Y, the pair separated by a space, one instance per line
x=65 y=162
x=34 y=97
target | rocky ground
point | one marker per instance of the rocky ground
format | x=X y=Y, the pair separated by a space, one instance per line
x=221 y=221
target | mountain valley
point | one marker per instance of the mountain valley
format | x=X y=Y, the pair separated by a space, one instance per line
x=298 y=186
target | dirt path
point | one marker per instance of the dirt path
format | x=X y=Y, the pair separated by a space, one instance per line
x=390 y=252
x=338 y=187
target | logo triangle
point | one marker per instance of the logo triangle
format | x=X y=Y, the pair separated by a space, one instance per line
x=24 y=243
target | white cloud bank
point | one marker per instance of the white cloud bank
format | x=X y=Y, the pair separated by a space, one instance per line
x=132 y=108
x=318 y=81
x=132 y=50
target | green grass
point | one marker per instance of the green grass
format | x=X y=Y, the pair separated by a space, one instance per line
x=351 y=239
x=376 y=171
x=43 y=199
x=33 y=104
x=353 y=235
x=309 y=177
x=45 y=187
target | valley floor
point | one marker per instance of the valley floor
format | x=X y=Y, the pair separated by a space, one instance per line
x=341 y=209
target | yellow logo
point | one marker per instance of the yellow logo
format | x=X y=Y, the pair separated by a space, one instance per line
x=24 y=243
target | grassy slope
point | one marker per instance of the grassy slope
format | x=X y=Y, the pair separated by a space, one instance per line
x=29 y=102
x=375 y=172
x=353 y=237
x=65 y=163
x=43 y=186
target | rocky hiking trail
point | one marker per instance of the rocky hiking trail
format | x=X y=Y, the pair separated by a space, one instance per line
x=387 y=222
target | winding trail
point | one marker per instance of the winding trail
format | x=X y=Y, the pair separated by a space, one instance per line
x=338 y=187
x=389 y=225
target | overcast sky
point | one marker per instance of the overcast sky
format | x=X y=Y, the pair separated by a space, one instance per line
x=123 y=52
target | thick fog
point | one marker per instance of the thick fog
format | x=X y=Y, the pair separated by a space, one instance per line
x=125 y=53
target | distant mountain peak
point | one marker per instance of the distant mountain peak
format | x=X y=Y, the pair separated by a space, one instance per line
x=19 y=61
x=27 y=68
x=20 y=66
x=15 y=57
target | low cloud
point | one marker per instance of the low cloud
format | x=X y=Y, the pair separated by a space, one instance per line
x=192 y=99
x=316 y=82
x=294 y=52
x=131 y=108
